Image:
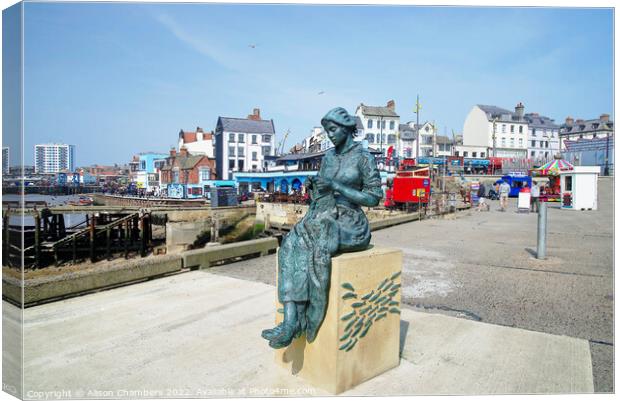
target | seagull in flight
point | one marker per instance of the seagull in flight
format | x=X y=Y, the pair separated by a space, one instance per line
x=253 y=46
x=321 y=92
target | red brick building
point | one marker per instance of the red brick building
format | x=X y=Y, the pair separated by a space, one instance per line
x=185 y=168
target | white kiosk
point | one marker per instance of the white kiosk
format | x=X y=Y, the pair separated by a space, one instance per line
x=579 y=188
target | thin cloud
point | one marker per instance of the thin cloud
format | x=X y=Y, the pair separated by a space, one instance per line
x=199 y=44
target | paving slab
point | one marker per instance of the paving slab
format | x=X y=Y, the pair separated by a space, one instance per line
x=198 y=335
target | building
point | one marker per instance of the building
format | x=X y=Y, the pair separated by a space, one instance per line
x=147 y=173
x=597 y=151
x=53 y=157
x=443 y=146
x=543 y=139
x=585 y=129
x=5 y=160
x=197 y=142
x=407 y=141
x=187 y=174
x=502 y=132
x=380 y=125
x=243 y=144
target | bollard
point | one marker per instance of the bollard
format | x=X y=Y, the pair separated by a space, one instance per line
x=542 y=231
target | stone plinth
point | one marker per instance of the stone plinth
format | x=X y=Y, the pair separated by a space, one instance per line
x=359 y=338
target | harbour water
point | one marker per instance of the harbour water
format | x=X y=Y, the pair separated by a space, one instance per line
x=50 y=200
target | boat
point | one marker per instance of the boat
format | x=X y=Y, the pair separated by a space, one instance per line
x=82 y=201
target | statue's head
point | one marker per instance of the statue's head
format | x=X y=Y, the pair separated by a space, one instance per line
x=338 y=124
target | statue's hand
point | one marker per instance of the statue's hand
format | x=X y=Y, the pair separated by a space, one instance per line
x=325 y=184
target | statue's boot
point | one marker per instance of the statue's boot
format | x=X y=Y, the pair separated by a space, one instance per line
x=269 y=334
x=286 y=336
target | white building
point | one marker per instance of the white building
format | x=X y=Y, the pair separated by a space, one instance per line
x=242 y=144
x=197 y=142
x=502 y=132
x=53 y=157
x=318 y=140
x=380 y=125
x=471 y=151
x=543 y=140
x=5 y=160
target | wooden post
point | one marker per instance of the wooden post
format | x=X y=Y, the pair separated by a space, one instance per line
x=107 y=243
x=126 y=237
x=5 y=238
x=74 y=248
x=37 y=240
x=92 y=239
x=61 y=226
x=56 y=260
x=142 y=238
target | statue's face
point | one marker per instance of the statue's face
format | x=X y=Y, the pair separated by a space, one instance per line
x=336 y=133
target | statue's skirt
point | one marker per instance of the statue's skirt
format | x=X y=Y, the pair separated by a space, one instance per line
x=304 y=259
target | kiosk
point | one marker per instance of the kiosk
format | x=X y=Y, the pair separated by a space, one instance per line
x=579 y=188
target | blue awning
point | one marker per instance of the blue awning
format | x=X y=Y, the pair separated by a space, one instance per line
x=476 y=162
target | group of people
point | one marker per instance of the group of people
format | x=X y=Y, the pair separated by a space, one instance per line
x=502 y=190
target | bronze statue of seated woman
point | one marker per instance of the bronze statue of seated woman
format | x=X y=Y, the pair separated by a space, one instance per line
x=334 y=223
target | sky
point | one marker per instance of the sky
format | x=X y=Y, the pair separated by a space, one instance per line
x=118 y=79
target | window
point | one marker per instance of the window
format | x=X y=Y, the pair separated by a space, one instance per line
x=520 y=142
x=465 y=154
x=520 y=129
x=533 y=131
x=474 y=154
x=482 y=154
x=512 y=128
x=533 y=144
x=456 y=153
x=231 y=137
x=391 y=124
x=503 y=128
x=241 y=152
x=546 y=144
x=142 y=164
x=594 y=135
x=503 y=142
x=254 y=156
x=241 y=164
x=391 y=138
x=205 y=173
x=254 y=139
x=231 y=151
x=370 y=138
x=512 y=142
x=383 y=124
x=542 y=144
x=568 y=182
x=266 y=138
x=175 y=176
x=369 y=123
x=532 y=153
x=231 y=164
x=254 y=167
x=241 y=138
x=266 y=150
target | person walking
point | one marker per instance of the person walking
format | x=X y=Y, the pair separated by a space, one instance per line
x=481 y=197
x=504 y=191
x=535 y=199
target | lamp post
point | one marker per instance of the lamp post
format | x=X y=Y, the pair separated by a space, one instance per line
x=494 y=136
x=417 y=132
x=606 y=171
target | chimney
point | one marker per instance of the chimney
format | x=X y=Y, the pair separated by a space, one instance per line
x=173 y=152
x=391 y=105
x=569 y=121
x=198 y=129
x=519 y=109
x=183 y=151
x=255 y=115
x=604 y=117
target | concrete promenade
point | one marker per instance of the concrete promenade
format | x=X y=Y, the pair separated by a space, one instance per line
x=198 y=335
x=481 y=316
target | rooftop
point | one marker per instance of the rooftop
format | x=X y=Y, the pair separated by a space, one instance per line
x=245 y=125
x=378 y=111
